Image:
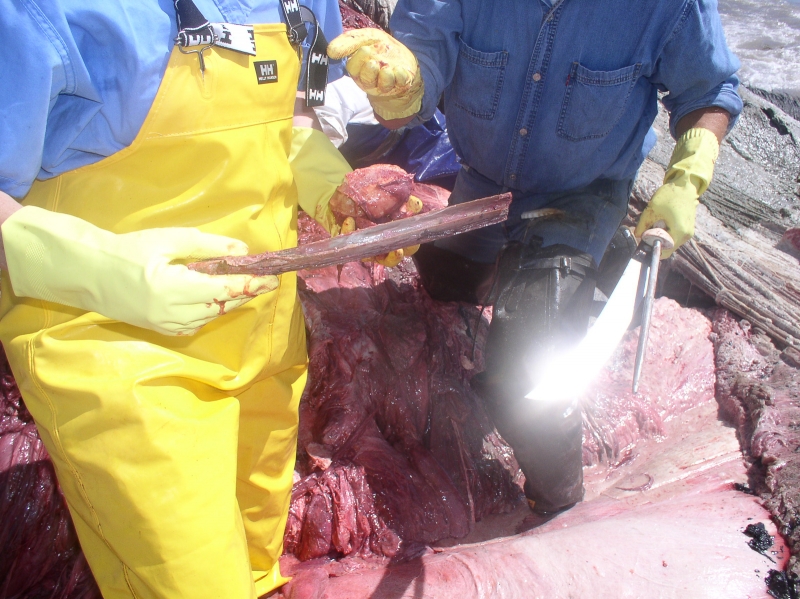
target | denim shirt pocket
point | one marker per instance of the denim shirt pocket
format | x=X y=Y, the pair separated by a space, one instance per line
x=595 y=101
x=478 y=81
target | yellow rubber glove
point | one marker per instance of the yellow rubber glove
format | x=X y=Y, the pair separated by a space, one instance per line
x=129 y=277
x=688 y=176
x=384 y=68
x=318 y=168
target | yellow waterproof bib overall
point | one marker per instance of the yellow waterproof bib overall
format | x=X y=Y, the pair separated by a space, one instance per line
x=176 y=454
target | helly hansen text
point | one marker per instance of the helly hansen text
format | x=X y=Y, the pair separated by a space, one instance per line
x=266 y=71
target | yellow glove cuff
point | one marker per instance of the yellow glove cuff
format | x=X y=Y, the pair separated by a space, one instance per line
x=689 y=174
x=693 y=160
x=318 y=168
x=31 y=249
x=130 y=277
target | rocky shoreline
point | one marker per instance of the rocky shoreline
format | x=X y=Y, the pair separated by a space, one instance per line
x=789 y=103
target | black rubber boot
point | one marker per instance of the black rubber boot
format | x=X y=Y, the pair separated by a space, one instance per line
x=450 y=277
x=618 y=253
x=543 y=301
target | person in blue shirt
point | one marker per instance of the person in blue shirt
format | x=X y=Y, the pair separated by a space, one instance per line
x=136 y=137
x=553 y=101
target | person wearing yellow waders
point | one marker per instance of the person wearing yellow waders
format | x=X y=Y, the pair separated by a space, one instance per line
x=167 y=399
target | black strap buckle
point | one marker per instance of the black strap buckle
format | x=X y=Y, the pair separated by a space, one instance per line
x=194 y=30
x=295 y=28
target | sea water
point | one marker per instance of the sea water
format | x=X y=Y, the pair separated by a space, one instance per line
x=765 y=35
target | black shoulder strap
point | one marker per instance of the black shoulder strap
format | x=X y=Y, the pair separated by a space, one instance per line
x=316 y=62
x=193 y=28
x=317 y=58
x=296 y=29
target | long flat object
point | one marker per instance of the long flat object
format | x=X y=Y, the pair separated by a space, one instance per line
x=365 y=243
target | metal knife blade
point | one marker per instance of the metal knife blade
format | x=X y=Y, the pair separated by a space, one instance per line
x=656 y=238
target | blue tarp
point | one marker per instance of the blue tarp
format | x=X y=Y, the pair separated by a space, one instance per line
x=424 y=150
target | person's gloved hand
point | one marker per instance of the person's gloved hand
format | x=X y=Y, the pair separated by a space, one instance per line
x=395 y=257
x=412 y=206
x=127 y=277
x=384 y=68
x=689 y=174
x=319 y=169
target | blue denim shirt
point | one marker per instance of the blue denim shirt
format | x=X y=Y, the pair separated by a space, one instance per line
x=79 y=76
x=545 y=97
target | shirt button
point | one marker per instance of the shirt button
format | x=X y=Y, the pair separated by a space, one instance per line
x=537 y=77
x=513 y=177
x=523 y=132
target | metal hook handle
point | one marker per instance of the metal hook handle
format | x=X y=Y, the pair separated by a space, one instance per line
x=199 y=53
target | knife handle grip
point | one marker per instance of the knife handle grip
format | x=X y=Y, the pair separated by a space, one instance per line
x=651 y=235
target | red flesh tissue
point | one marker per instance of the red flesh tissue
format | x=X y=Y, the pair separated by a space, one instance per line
x=352 y=19
x=395 y=450
x=378 y=193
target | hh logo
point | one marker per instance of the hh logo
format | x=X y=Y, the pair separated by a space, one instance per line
x=316 y=94
x=266 y=71
x=292 y=6
x=319 y=58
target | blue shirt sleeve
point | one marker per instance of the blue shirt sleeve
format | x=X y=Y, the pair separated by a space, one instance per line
x=85 y=73
x=36 y=59
x=696 y=68
x=84 y=82
x=431 y=29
